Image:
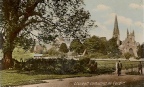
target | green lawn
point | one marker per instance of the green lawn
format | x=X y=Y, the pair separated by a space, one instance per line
x=111 y=64
x=13 y=77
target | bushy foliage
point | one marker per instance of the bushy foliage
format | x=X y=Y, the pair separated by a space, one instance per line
x=19 y=53
x=63 y=48
x=50 y=18
x=61 y=66
x=127 y=55
x=97 y=55
x=92 y=66
x=76 y=46
x=53 y=52
x=132 y=73
x=54 y=66
x=94 y=44
x=112 y=48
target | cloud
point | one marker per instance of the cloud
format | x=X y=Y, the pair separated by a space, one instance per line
x=139 y=24
x=136 y=6
x=125 y=20
x=121 y=19
x=101 y=31
x=102 y=7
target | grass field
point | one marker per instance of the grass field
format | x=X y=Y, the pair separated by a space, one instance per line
x=13 y=77
x=111 y=64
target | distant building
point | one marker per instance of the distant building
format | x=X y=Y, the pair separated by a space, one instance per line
x=129 y=44
x=40 y=49
x=116 y=33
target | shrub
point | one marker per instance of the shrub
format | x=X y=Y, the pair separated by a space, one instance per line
x=132 y=73
x=127 y=55
x=104 y=70
x=92 y=66
x=63 y=66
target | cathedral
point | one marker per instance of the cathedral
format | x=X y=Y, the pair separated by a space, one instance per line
x=129 y=44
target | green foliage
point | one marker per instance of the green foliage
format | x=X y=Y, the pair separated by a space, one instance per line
x=12 y=78
x=63 y=55
x=54 y=66
x=94 y=44
x=92 y=66
x=67 y=18
x=97 y=55
x=140 y=50
x=53 y=52
x=137 y=58
x=65 y=66
x=133 y=73
x=63 y=48
x=112 y=48
x=19 y=53
x=127 y=55
x=76 y=46
x=50 y=18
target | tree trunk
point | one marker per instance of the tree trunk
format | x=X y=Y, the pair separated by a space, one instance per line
x=7 y=60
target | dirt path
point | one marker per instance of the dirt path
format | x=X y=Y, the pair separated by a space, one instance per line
x=94 y=81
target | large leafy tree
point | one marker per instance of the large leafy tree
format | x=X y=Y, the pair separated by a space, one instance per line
x=94 y=44
x=49 y=18
x=76 y=46
x=63 y=48
x=141 y=50
x=112 y=48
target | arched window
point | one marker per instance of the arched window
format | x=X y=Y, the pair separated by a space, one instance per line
x=131 y=51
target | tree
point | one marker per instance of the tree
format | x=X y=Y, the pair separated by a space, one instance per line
x=20 y=53
x=94 y=44
x=113 y=48
x=76 y=46
x=127 y=55
x=50 y=18
x=53 y=52
x=142 y=46
x=140 y=50
x=63 y=48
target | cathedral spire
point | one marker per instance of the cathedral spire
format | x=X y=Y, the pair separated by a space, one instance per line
x=133 y=32
x=116 y=29
x=127 y=33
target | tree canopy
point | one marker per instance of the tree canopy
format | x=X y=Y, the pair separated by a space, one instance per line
x=113 y=48
x=76 y=46
x=63 y=48
x=49 y=18
x=94 y=44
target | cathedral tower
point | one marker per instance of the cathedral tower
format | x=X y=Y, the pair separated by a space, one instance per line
x=129 y=44
x=127 y=33
x=116 y=33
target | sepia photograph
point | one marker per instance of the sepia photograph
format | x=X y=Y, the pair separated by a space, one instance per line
x=71 y=43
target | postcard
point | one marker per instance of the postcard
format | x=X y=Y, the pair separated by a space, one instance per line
x=71 y=43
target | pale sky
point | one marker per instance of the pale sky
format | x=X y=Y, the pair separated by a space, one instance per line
x=129 y=13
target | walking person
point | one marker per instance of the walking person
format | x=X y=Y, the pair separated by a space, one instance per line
x=140 y=68
x=119 y=68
